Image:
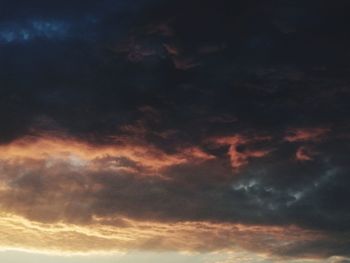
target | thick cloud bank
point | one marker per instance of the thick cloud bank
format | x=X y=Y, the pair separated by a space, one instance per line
x=186 y=125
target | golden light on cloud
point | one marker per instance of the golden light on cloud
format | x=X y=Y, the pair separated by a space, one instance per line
x=63 y=195
x=121 y=235
x=51 y=179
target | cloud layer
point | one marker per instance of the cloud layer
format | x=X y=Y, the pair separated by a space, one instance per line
x=189 y=126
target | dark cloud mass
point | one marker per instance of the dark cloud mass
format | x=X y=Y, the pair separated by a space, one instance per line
x=232 y=112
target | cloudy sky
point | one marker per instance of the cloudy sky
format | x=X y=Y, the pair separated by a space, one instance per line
x=197 y=131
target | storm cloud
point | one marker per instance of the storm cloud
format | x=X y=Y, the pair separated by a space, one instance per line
x=221 y=120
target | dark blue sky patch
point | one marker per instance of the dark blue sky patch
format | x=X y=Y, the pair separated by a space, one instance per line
x=32 y=30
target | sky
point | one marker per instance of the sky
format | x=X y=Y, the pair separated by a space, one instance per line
x=174 y=131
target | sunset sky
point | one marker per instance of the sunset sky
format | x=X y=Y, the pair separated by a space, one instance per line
x=174 y=131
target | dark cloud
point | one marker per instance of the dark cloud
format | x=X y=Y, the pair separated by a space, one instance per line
x=224 y=111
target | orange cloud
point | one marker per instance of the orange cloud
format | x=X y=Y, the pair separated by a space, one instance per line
x=171 y=49
x=239 y=159
x=148 y=156
x=304 y=154
x=61 y=195
x=53 y=179
x=239 y=152
x=306 y=134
